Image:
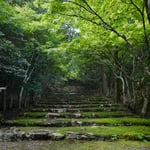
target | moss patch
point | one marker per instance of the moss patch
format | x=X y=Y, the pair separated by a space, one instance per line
x=128 y=121
x=25 y=122
x=121 y=121
x=106 y=114
x=35 y=114
x=128 y=133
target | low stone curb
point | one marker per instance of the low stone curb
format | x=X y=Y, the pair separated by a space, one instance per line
x=14 y=134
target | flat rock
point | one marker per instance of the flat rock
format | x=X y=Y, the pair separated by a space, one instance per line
x=52 y=115
x=77 y=115
x=39 y=135
x=72 y=135
x=78 y=136
x=57 y=136
x=58 y=110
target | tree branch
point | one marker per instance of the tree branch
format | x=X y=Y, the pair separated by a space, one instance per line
x=104 y=24
x=79 y=16
x=147 y=4
x=138 y=9
x=141 y=11
x=77 y=4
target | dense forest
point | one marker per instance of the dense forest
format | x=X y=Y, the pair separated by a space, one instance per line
x=101 y=45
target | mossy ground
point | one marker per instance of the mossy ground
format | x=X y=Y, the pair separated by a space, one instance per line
x=121 y=132
x=128 y=121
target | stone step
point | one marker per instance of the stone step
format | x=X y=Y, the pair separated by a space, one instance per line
x=76 y=96
x=76 y=133
x=73 y=102
x=63 y=110
x=77 y=115
x=76 y=106
x=88 y=115
x=62 y=122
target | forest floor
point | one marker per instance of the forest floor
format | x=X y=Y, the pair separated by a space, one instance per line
x=78 y=123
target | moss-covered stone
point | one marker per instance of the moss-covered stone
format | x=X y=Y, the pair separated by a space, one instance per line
x=104 y=133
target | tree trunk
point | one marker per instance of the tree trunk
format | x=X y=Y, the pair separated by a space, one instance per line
x=144 y=107
x=21 y=97
x=147 y=3
x=4 y=100
x=128 y=91
x=133 y=84
x=117 y=80
x=145 y=102
x=117 y=91
x=27 y=76
x=123 y=90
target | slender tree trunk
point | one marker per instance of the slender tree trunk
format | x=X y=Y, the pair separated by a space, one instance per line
x=123 y=90
x=117 y=80
x=130 y=102
x=133 y=84
x=26 y=79
x=145 y=102
x=147 y=3
x=128 y=92
x=117 y=91
x=4 y=100
x=144 y=107
x=27 y=75
x=21 y=97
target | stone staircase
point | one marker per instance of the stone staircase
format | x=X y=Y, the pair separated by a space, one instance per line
x=77 y=117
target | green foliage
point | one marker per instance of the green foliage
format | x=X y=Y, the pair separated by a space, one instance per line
x=75 y=40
